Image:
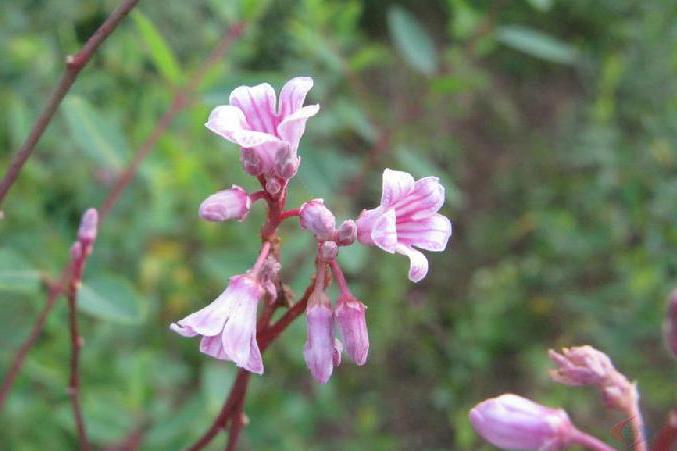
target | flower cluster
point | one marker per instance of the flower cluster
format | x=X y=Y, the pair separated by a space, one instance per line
x=268 y=133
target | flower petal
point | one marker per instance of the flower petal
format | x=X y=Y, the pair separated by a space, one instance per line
x=293 y=94
x=207 y=321
x=239 y=330
x=396 y=185
x=431 y=233
x=255 y=363
x=384 y=231
x=425 y=199
x=213 y=347
x=293 y=126
x=418 y=264
x=258 y=105
x=229 y=122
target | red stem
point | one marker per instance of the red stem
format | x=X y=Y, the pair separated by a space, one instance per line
x=340 y=278
x=667 y=436
x=289 y=214
x=54 y=293
x=236 y=424
x=74 y=65
x=589 y=441
x=78 y=265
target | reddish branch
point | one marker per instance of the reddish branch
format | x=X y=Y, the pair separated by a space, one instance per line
x=179 y=102
x=55 y=291
x=74 y=64
x=667 y=436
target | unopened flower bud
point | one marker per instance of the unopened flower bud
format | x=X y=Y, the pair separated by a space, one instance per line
x=88 y=225
x=317 y=219
x=671 y=324
x=251 y=162
x=346 y=233
x=585 y=365
x=228 y=204
x=76 y=251
x=350 y=316
x=328 y=250
x=286 y=162
x=320 y=351
x=513 y=422
x=273 y=186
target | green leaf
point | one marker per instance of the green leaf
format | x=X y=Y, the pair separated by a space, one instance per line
x=16 y=274
x=97 y=137
x=412 y=40
x=112 y=299
x=537 y=44
x=160 y=52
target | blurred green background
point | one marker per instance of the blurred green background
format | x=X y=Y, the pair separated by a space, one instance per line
x=552 y=124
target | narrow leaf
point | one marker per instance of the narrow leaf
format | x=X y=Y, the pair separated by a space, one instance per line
x=537 y=44
x=97 y=137
x=412 y=40
x=160 y=52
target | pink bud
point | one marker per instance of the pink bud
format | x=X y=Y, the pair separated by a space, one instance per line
x=346 y=233
x=585 y=365
x=511 y=421
x=350 y=316
x=251 y=162
x=328 y=251
x=76 y=251
x=581 y=365
x=286 y=162
x=228 y=204
x=88 y=225
x=318 y=219
x=320 y=351
x=671 y=324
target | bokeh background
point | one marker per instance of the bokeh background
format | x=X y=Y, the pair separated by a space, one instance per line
x=551 y=123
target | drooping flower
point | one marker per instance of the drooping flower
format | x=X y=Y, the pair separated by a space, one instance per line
x=514 y=422
x=407 y=217
x=233 y=203
x=268 y=133
x=350 y=316
x=228 y=325
x=322 y=351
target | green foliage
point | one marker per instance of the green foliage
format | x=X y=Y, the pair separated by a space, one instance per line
x=550 y=123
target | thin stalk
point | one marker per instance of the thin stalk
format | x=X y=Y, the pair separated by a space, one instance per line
x=74 y=64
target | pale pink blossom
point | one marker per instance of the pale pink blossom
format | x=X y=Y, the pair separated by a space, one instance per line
x=268 y=131
x=322 y=351
x=88 y=226
x=350 y=317
x=233 y=203
x=511 y=421
x=228 y=325
x=346 y=234
x=407 y=218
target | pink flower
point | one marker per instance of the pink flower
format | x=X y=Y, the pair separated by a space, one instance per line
x=228 y=204
x=407 y=217
x=581 y=365
x=268 y=134
x=228 y=325
x=88 y=226
x=322 y=352
x=510 y=421
x=350 y=316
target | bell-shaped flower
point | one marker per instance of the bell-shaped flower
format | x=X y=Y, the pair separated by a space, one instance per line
x=322 y=351
x=407 y=217
x=228 y=325
x=268 y=132
x=350 y=317
x=513 y=422
x=227 y=204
